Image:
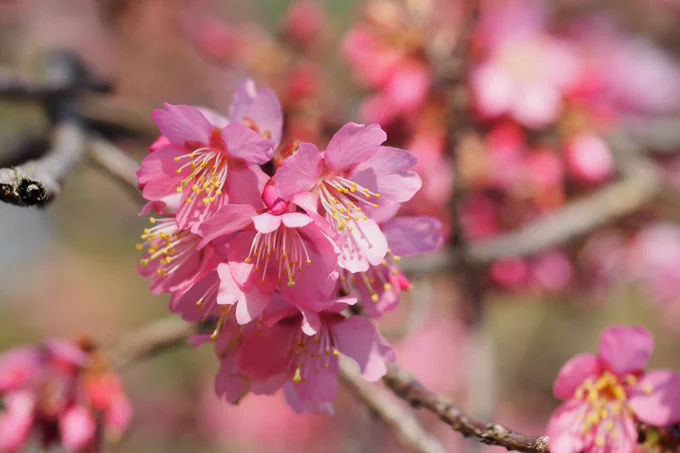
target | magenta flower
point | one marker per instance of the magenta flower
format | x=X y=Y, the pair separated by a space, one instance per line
x=607 y=394
x=351 y=179
x=211 y=160
x=279 y=249
x=300 y=351
x=49 y=394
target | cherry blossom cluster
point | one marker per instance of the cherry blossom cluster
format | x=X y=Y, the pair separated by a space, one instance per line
x=278 y=263
x=59 y=394
x=608 y=395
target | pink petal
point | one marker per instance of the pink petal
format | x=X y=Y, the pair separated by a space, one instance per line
x=157 y=173
x=355 y=338
x=656 y=398
x=408 y=236
x=18 y=367
x=296 y=220
x=229 y=292
x=16 y=421
x=228 y=220
x=321 y=387
x=386 y=173
x=311 y=322
x=246 y=184
x=229 y=383
x=537 y=106
x=267 y=223
x=494 y=90
x=376 y=367
x=308 y=201
x=388 y=160
x=216 y=119
x=66 y=352
x=626 y=349
x=251 y=305
x=372 y=243
x=77 y=428
x=573 y=373
x=161 y=142
x=565 y=426
x=184 y=303
x=119 y=416
x=244 y=143
x=260 y=355
x=299 y=172
x=259 y=106
x=353 y=144
x=181 y=124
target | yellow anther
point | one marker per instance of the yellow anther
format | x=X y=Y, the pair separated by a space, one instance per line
x=342 y=226
x=184 y=183
x=139 y=247
x=177 y=159
x=214 y=335
x=648 y=389
x=375 y=205
x=374 y=297
x=298 y=377
x=144 y=262
x=396 y=258
x=188 y=200
x=248 y=260
x=178 y=171
x=206 y=200
x=600 y=442
x=335 y=352
x=291 y=284
x=388 y=287
x=179 y=190
x=198 y=303
x=218 y=192
x=309 y=261
x=377 y=195
x=365 y=217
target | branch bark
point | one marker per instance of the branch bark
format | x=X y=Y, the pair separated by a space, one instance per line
x=37 y=182
x=401 y=421
x=107 y=157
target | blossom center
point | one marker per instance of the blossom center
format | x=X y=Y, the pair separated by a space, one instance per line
x=310 y=354
x=343 y=201
x=377 y=278
x=206 y=172
x=284 y=249
x=608 y=401
x=167 y=244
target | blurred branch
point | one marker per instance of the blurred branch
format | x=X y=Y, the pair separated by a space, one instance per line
x=408 y=388
x=37 y=182
x=113 y=161
x=150 y=340
x=639 y=184
x=399 y=419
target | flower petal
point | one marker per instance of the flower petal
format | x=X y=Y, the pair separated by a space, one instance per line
x=245 y=185
x=259 y=357
x=266 y=223
x=229 y=383
x=296 y=219
x=251 y=306
x=626 y=349
x=260 y=107
x=77 y=428
x=181 y=124
x=370 y=241
x=353 y=144
x=16 y=421
x=565 y=426
x=299 y=172
x=656 y=398
x=228 y=220
x=573 y=373
x=408 y=236
x=355 y=338
x=244 y=143
x=157 y=174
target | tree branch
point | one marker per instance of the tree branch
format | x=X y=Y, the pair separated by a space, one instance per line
x=37 y=182
x=401 y=421
x=107 y=157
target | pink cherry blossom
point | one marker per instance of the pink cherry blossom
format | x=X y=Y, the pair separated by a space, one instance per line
x=607 y=394
x=352 y=178
x=280 y=248
x=211 y=160
x=301 y=351
x=47 y=392
x=527 y=73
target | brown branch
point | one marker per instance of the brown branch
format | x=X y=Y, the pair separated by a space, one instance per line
x=400 y=420
x=408 y=388
x=37 y=182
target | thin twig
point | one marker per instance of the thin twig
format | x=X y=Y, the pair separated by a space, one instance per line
x=408 y=388
x=399 y=419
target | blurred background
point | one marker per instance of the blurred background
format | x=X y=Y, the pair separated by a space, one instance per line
x=546 y=86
